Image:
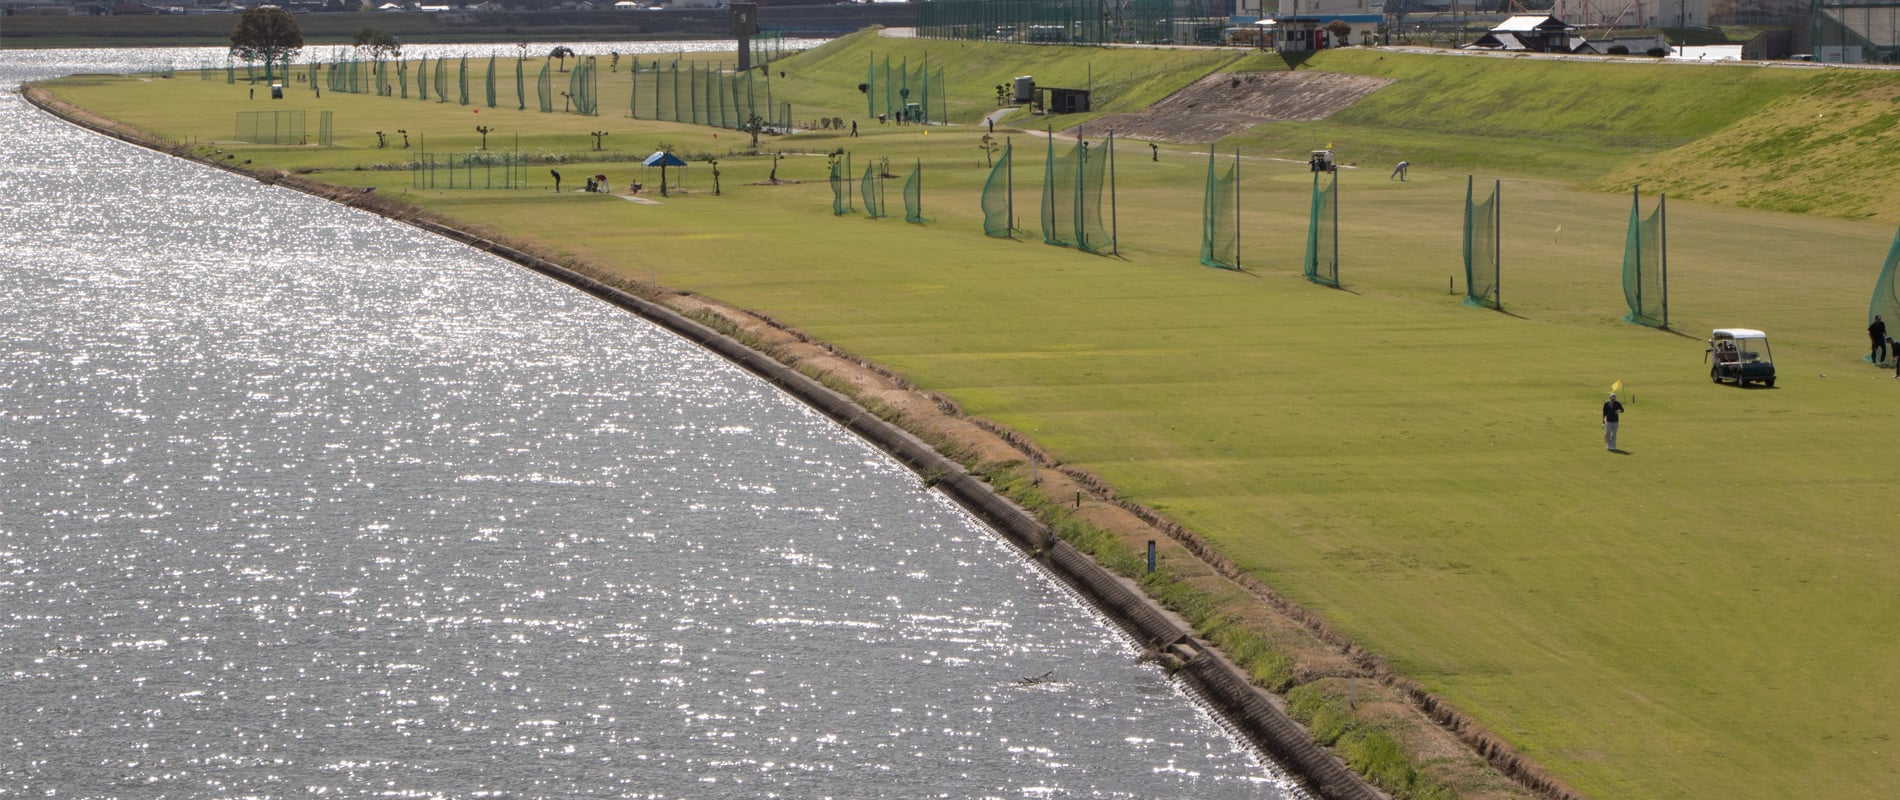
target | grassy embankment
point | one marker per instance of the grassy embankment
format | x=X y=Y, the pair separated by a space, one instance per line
x=1706 y=617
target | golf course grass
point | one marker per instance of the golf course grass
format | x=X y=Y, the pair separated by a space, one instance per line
x=1707 y=615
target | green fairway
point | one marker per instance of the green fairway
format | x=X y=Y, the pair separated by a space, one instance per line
x=1706 y=616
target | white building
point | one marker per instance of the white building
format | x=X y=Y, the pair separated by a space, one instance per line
x=1355 y=12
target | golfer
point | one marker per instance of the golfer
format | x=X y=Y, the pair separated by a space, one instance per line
x=1878 y=333
x=1398 y=173
x=1611 y=408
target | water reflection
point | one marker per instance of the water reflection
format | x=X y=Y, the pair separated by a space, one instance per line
x=304 y=502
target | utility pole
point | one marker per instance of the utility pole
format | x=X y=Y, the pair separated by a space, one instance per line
x=1682 y=27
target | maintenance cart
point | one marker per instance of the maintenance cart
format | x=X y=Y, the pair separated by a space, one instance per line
x=1740 y=355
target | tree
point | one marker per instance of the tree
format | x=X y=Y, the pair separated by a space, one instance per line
x=754 y=124
x=378 y=44
x=266 y=33
x=1341 y=32
x=562 y=52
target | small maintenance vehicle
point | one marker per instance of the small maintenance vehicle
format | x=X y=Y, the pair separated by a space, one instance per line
x=1740 y=356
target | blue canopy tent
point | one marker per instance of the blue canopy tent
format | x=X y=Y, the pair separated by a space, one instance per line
x=662 y=159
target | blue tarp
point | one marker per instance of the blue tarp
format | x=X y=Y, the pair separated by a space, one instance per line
x=663 y=159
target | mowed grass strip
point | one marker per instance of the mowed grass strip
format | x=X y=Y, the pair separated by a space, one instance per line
x=1709 y=616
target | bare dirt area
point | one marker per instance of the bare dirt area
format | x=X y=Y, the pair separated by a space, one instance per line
x=1226 y=103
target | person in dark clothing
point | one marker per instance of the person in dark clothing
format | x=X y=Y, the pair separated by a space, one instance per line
x=1878 y=332
x=1611 y=410
x=557 y=179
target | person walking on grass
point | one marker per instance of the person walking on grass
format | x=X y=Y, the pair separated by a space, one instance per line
x=1611 y=409
x=1878 y=332
x=1398 y=173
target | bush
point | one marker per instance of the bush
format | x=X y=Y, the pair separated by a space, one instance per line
x=1657 y=52
x=1619 y=50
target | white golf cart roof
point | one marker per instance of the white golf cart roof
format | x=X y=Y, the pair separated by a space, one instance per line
x=1737 y=333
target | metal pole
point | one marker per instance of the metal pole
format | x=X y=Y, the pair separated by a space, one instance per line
x=1662 y=216
x=1114 y=228
x=1009 y=185
x=1335 y=228
x=1471 y=182
x=1236 y=208
x=1497 y=241
x=1636 y=226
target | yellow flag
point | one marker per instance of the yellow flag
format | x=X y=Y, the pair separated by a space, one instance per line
x=1617 y=386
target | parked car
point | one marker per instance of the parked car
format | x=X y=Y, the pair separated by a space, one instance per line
x=1740 y=355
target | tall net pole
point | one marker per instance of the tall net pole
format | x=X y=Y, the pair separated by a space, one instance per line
x=1886 y=300
x=1662 y=232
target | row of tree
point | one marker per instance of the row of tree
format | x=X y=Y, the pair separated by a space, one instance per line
x=270 y=34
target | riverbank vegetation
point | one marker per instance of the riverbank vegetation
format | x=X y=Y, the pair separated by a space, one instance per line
x=1705 y=616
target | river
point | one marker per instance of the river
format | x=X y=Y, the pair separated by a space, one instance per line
x=297 y=501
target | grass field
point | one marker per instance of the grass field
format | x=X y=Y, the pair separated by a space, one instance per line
x=1708 y=616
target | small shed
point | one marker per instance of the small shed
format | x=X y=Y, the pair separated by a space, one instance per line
x=1061 y=101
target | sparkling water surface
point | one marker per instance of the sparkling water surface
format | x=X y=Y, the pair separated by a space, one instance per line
x=299 y=502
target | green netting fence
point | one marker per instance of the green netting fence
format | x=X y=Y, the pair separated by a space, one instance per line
x=907 y=95
x=871 y=188
x=422 y=78
x=270 y=127
x=704 y=95
x=1886 y=301
x=768 y=47
x=914 y=195
x=461 y=82
x=1646 y=264
x=441 y=80
x=521 y=84
x=402 y=78
x=1220 y=215
x=326 y=128
x=544 y=87
x=490 y=81
x=1058 y=195
x=350 y=76
x=1482 y=246
x=1072 y=190
x=841 y=185
x=1321 y=264
x=999 y=197
x=583 y=87
x=468 y=171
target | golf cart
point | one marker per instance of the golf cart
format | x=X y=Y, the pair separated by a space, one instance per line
x=1740 y=355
